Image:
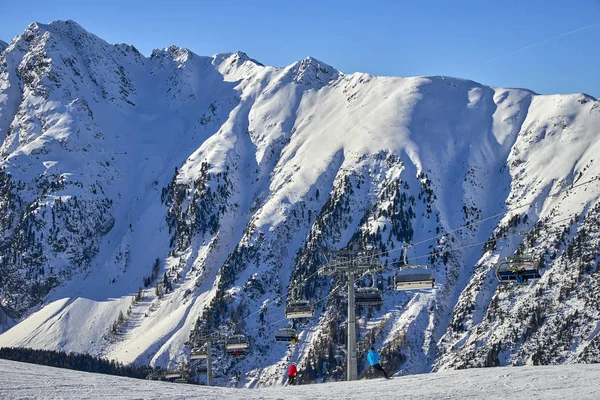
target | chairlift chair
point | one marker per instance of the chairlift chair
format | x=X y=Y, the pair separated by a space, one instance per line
x=412 y=277
x=286 y=335
x=300 y=309
x=172 y=375
x=418 y=277
x=237 y=345
x=198 y=354
x=518 y=269
x=368 y=296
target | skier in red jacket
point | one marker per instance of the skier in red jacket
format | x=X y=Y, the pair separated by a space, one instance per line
x=292 y=374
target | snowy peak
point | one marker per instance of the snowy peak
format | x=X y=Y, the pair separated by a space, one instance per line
x=3 y=45
x=311 y=71
x=177 y=54
x=238 y=57
x=68 y=28
x=68 y=32
x=236 y=65
x=63 y=57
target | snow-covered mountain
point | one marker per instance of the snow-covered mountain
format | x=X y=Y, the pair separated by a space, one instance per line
x=145 y=199
x=3 y=45
x=563 y=382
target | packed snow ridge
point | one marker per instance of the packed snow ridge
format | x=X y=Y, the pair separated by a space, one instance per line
x=556 y=382
x=144 y=200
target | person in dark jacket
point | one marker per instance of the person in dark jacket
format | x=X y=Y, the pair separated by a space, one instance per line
x=373 y=357
x=292 y=374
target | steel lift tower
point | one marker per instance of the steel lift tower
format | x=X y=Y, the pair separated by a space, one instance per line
x=207 y=339
x=351 y=262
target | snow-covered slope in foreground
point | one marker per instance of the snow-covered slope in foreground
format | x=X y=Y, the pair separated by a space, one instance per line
x=20 y=380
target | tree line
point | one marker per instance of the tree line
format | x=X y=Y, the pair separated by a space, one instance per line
x=75 y=361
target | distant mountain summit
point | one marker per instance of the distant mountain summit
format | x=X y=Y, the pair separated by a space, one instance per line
x=146 y=199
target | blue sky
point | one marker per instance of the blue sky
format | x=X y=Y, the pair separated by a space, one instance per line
x=506 y=43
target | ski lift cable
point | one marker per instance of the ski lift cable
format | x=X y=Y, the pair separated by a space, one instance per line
x=286 y=294
x=470 y=224
x=480 y=243
x=342 y=286
x=427 y=255
x=478 y=222
x=314 y=302
x=285 y=319
x=334 y=290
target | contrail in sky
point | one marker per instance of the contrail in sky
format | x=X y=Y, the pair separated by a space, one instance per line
x=544 y=42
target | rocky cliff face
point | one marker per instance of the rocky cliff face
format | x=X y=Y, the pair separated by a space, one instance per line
x=146 y=199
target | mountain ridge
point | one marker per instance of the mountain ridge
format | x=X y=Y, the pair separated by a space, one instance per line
x=73 y=26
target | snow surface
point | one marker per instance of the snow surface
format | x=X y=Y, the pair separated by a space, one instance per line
x=111 y=124
x=20 y=380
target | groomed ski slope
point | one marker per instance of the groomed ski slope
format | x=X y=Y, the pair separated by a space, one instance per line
x=579 y=381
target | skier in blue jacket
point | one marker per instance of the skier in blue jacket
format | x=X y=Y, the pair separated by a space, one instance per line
x=373 y=357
